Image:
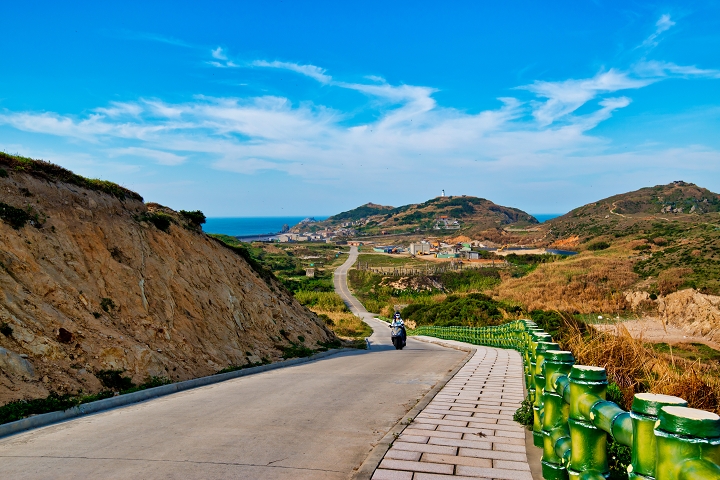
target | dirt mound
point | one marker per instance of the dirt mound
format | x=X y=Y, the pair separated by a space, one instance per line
x=92 y=280
x=694 y=312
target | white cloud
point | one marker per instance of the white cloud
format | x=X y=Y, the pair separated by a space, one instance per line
x=219 y=53
x=311 y=71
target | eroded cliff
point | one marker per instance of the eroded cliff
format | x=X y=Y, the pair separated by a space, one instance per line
x=89 y=284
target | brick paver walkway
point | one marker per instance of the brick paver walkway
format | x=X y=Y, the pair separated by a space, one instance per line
x=467 y=430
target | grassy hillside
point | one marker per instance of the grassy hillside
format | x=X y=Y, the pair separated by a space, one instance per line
x=472 y=215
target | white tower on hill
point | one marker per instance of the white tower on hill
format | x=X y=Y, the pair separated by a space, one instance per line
x=443 y=193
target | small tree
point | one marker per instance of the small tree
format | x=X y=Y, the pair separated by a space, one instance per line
x=195 y=217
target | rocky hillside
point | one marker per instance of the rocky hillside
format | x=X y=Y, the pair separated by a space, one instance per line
x=449 y=215
x=93 y=279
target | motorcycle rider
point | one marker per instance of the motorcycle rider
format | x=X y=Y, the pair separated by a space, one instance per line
x=398 y=322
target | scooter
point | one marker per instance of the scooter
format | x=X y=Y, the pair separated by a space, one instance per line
x=398 y=336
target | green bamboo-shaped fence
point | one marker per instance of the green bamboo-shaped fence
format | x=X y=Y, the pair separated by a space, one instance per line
x=572 y=419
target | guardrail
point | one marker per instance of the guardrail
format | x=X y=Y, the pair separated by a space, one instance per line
x=572 y=418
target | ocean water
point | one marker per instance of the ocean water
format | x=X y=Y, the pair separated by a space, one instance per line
x=544 y=217
x=243 y=226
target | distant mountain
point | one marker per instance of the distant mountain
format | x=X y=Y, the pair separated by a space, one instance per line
x=446 y=215
x=628 y=213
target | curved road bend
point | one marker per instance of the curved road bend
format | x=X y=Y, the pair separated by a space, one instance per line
x=317 y=420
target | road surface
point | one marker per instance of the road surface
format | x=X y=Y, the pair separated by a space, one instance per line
x=317 y=420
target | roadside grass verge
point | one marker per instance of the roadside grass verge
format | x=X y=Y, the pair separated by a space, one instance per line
x=55 y=402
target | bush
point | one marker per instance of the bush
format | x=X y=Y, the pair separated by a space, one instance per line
x=16 y=217
x=114 y=380
x=107 y=304
x=3 y=173
x=598 y=246
x=161 y=220
x=196 y=217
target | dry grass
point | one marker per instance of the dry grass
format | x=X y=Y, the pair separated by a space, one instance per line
x=586 y=283
x=344 y=324
x=636 y=368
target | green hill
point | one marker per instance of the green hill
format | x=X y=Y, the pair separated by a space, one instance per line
x=446 y=215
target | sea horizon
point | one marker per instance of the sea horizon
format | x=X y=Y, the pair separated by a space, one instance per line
x=246 y=226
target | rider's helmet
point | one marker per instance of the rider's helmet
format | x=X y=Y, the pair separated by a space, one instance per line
x=396 y=316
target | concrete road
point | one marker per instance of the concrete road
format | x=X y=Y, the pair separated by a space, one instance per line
x=317 y=420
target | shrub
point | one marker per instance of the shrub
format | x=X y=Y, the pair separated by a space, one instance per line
x=296 y=351
x=16 y=217
x=114 y=380
x=3 y=173
x=161 y=220
x=598 y=246
x=196 y=217
x=107 y=304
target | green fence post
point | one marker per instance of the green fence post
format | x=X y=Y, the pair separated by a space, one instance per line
x=588 y=456
x=556 y=436
x=540 y=350
x=688 y=444
x=644 y=414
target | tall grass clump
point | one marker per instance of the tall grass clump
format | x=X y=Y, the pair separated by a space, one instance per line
x=325 y=301
x=635 y=368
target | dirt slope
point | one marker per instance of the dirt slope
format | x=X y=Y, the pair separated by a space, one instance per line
x=91 y=286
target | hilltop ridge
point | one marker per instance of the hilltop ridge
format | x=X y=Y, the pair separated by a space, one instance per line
x=452 y=214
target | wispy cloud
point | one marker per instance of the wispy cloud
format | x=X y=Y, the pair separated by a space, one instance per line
x=564 y=97
x=311 y=71
x=663 y=24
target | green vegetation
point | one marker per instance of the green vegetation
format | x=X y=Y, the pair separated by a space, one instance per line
x=689 y=351
x=16 y=217
x=107 y=304
x=524 y=264
x=473 y=310
x=359 y=212
x=249 y=364
x=112 y=379
x=682 y=255
x=244 y=251
x=195 y=217
x=55 y=173
x=54 y=402
x=599 y=246
x=325 y=301
x=524 y=414
x=161 y=220
x=3 y=173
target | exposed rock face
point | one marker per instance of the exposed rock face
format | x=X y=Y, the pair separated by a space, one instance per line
x=95 y=287
x=694 y=312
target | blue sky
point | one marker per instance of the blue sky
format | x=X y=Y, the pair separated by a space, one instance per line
x=299 y=108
